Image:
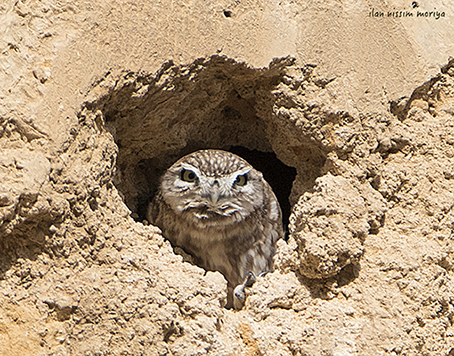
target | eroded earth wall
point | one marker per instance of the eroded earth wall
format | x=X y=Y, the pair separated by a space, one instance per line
x=98 y=99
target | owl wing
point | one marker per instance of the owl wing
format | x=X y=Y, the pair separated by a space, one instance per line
x=154 y=208
x=258 y=260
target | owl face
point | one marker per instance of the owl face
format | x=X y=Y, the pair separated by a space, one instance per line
x=212 y=188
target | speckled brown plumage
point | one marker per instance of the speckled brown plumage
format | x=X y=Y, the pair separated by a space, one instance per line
x=219 y=209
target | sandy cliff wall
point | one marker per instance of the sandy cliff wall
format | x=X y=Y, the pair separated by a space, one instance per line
x=355 y=100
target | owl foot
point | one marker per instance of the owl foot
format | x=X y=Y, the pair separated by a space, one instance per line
x=239 y=293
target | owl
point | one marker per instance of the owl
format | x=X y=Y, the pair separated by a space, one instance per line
x=219 y=209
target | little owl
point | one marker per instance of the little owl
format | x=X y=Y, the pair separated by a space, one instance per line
x=219 y=209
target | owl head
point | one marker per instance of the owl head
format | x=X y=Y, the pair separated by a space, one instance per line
x=213 y=188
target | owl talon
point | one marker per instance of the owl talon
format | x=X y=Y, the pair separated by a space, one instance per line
x=239 y=297
x=239 y=293
x=250 y=280
x=263 y=274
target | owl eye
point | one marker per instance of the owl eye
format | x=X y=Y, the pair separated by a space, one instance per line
x=188 y=176
x=241 y=180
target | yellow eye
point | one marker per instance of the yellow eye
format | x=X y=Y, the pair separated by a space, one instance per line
x=241 y=180
x=188 y=176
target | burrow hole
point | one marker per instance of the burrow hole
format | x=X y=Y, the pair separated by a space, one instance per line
x=212 y=103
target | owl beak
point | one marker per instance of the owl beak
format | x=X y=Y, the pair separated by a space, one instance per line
x=214 y=193
x=214 y=196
